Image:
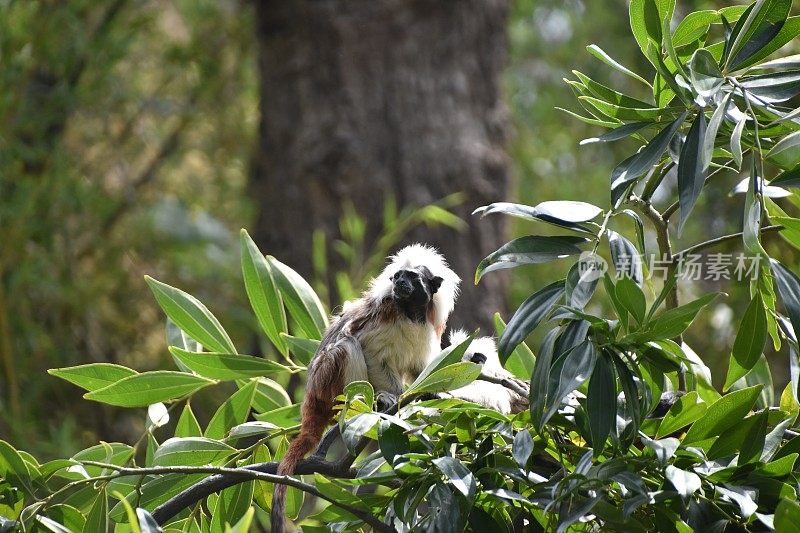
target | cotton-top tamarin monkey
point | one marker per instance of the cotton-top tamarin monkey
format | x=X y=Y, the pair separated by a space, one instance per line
x=385 y=337
x=483 y=350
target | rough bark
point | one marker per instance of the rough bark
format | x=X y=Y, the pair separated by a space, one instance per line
x=362 y=98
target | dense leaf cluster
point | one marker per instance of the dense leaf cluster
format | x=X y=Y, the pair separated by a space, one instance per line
x=625 y=431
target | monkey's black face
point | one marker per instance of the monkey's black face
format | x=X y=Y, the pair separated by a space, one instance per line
x=413 y=289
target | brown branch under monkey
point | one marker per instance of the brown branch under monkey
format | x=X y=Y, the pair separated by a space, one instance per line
x=385 y=337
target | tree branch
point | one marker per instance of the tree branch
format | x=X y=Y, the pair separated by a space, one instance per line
x=661 y=224
x=315 y=463
x=713 y=242
x=251 y=472
x=662 y=238
x=507 y=383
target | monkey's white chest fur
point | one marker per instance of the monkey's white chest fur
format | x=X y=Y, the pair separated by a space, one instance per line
x=395 y=351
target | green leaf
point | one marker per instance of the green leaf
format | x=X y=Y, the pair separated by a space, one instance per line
x=567 y=374
x=12 y=463
x=620 y=112
x=114 y=453
x=673 y=322
x=786 y=152
x=97 y=519
x=789 y=178
x=52 y=525
x=751 y=223
x=300 y=299
x=232 y=505
x=685 y=411
x=723 y=414
x=646 y=26
x=446 y=379
x=263 y=293
x=756 y=30
x=191 y=316
x=736 y=141
x=141 y=390
x=147 y=523
x=226 y=366
x=531 y=249
x=738 y=437
x=694 y=27
x=788 y=287
x=594 y=121
x=787 y=33
x=338 y=494
x=749 y=343
x=191 y=451
x=787 y=516
x=269 y=396
x=581 y=282
x=691 y=169
x=616 y=134
x=458 y=475
x=710 y=137
x=448 y=356
x=284 y=417
x=562 y=212
x=262 y=491
x=539 y=379
x=188 y=426
x=94 y=375
x=600 y=400
x=532 y=311
x=777 y=87
x=231 y=413
x=522 y=447
x=303 y=350
x=521 y=361
x=608 y=94
x=636 y=165
x=598 y=52
x=632 y=298
x=626 y=257
x=686 y=483
x=705 y=74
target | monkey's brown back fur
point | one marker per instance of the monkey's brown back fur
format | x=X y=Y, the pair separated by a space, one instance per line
x=325 y=382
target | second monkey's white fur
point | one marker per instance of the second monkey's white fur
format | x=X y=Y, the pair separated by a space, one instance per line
x=485 y=393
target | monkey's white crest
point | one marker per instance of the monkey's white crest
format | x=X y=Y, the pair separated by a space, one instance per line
x=419 y=255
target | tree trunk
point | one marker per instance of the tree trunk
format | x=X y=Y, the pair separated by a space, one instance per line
x=365 y=98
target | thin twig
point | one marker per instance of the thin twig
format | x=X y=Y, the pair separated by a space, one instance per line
x=713 y=242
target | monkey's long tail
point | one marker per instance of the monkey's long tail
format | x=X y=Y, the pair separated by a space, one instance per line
x=316 y=413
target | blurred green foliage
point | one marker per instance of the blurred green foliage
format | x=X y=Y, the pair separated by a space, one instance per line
x=125 y=133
